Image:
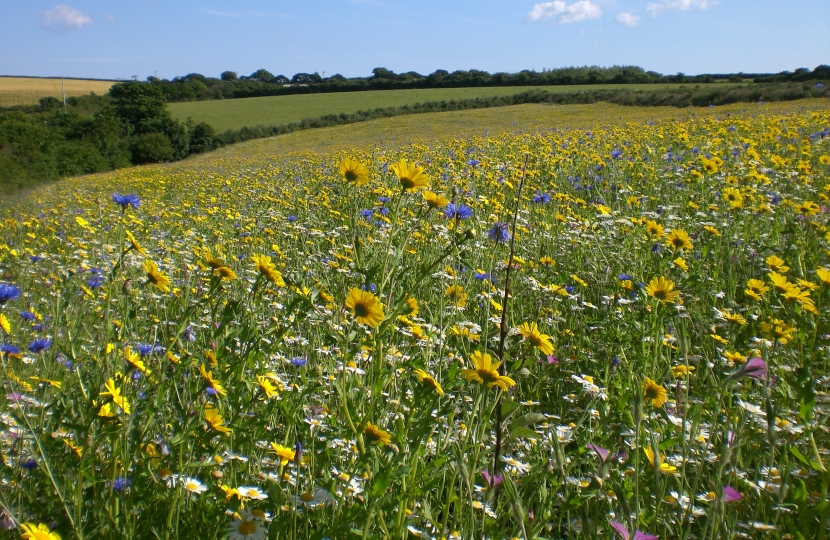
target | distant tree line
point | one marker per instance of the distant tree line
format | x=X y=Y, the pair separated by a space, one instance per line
x=675 y=97
x=130 y=126
x=196 y=87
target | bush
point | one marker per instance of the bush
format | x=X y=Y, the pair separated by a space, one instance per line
x=151 y=148
x=201 y=138
x=79 y=157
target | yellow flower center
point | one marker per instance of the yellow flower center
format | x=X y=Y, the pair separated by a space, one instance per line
x=307 y=497
x=361 y=310
x=407 y=183
x=247 y=527
x=351 y=177
x=487 y=375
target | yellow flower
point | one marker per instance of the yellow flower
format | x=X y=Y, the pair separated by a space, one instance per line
x=225 y=273
x=663 y=290
x=808 y=208
x=712 y=230
x=736 y=318
x=655 y=229
x=411 y=176
x=755 y=288
x=434 y=200
x=411 y=309
x=134 y=360
x=267 y=387
x=215 y=421
x=30 y=531
x=679 y=240
x=733 y=197
x=547 y=261
x=156 y=277
x=134 y=243
x=486 y=372
x=456 y=295
x=5 y=324
x=376 y=435
x=654 y=393
x=265 y=267
x=778 y=330
x=682 y=264
x=365 y=307
x=213 y=383
x=354 y=172
x=681 y=372
x=428 y=380
x=780 y=282
x=661 y=464
x=117 y=398
x=284 y=453
x=735 y=357
x=532 y=335
x=824 y=275
x=776 y=264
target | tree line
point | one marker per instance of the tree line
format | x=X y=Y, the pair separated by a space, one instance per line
x=197 y=87
x=129 y=126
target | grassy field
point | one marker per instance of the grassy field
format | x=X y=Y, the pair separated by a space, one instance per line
x=530 y=322
x=28 y=90
x=277 y=110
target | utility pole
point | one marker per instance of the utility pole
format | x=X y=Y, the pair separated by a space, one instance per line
x=63 y=91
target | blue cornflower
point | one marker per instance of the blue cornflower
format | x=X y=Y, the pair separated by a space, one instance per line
x=473 y=162
x=624 y=277
x=8 y=293
x=481 y=276
x=40 y=345
x=540 y=198
x=498 y=232
x=95 y=282
x=121 y=483
x=144 y=349
x=819 y=85
x=616 y=153
x=39 y=327
x=366 y=214
x=299 y=361
x=384 y=200
x=291 y=218
x=570 y=289
x=29 y=464
x=382 y=210
x=35 y=258
x=8 y=348
x=462 y=211
x=126 y=200
x=28 y=315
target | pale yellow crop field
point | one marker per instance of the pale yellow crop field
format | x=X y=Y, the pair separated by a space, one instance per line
x=28 y=90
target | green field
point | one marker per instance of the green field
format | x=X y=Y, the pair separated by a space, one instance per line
x=469 y=324
x=278 y=110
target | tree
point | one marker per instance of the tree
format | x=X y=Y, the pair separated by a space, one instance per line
x=201 y=138
x=141 y=105
x=228 y=76
x=151 y=148
x=262 y=75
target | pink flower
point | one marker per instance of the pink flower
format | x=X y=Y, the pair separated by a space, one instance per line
x=623 y=532
x=731 y=495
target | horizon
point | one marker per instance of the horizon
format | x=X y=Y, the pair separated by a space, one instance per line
x=96 y=39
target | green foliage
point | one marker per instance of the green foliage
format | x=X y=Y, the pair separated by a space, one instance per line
x=151 y=148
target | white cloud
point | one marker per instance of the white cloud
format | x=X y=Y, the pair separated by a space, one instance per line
x=66 y=18
x=628 y=19
x=222 y=13
x=656 y=8
x=565 y=13
x=111 y=18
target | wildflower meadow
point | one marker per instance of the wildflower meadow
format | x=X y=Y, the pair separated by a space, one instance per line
x=616 y=333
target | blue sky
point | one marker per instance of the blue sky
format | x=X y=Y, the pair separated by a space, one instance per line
x=119 y=39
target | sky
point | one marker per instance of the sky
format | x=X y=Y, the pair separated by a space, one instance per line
x=116 y=39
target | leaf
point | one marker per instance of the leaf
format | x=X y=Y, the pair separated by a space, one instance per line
x=381 y=482
x=508 y=408
x=524 y=432
x=669 y=443
x=803 y=459
x=528 y=419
